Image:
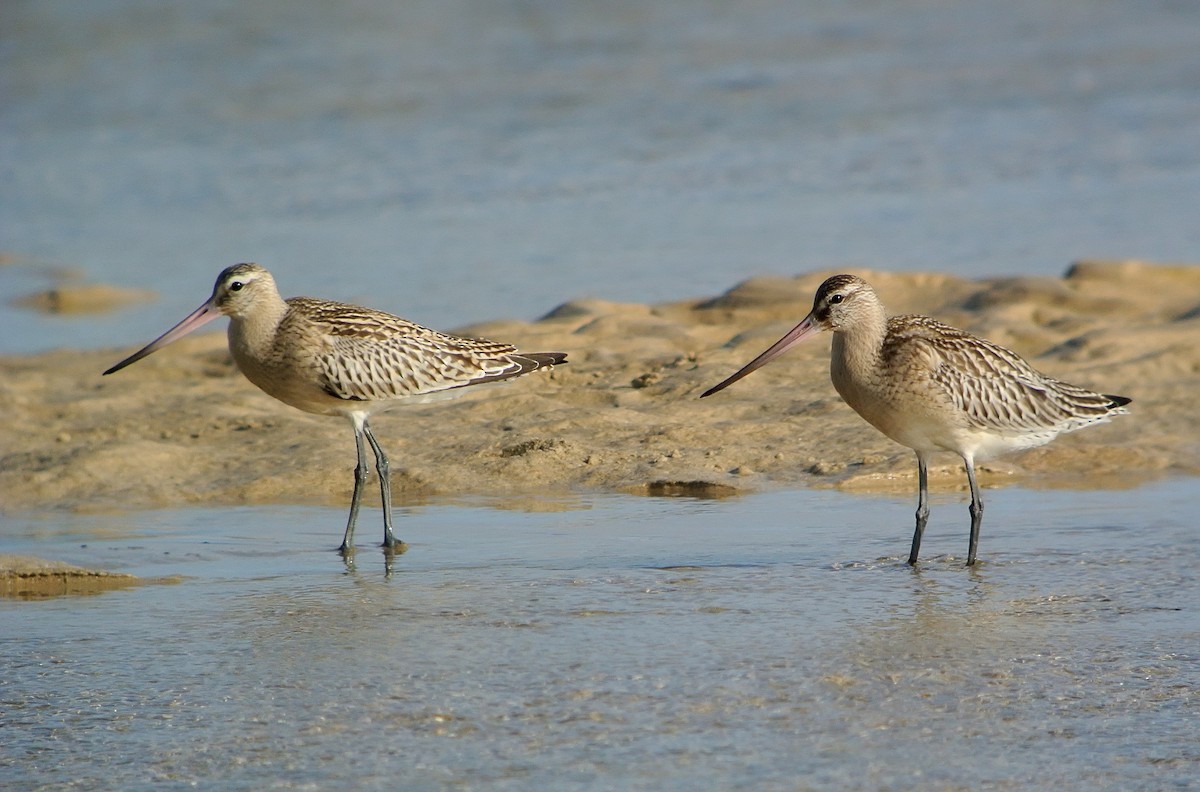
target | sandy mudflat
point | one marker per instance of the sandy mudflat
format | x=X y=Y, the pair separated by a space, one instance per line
x=29 y=577
x=183 y=427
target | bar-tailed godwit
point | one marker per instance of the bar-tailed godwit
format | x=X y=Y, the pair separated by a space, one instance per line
x=331 y=358
x=932 y=387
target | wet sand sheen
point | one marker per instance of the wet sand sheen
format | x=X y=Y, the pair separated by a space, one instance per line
x=28 y=577
x=623 y=416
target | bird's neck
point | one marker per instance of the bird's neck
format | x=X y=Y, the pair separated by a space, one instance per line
x=857 y=348
x=253 y=334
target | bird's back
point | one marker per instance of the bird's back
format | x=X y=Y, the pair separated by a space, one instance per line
x=986 y=389
x=362 y=355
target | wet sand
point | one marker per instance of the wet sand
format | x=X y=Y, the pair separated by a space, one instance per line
x=624 y=415
x=183 y=426
x=29 y=577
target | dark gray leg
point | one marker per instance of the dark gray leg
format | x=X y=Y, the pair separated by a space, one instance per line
x=385 y=487
x=922 y=506
x=360 y=478
x=976 y=512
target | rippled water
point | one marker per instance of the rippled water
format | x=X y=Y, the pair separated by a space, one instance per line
x=454 y=161
x=776 y=641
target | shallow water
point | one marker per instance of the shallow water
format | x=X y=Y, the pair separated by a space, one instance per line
x=776 y=641
x=455 y=162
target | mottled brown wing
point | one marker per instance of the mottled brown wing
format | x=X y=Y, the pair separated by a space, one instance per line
x=374 y=356
x=995 y=388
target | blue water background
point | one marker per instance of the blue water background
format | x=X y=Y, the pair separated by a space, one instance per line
x=459 y=161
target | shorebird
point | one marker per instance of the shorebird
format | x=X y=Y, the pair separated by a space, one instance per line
x=330 y=358
x=932 y=387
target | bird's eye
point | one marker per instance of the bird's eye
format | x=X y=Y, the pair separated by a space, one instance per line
x=236 y=286
x=834 y=299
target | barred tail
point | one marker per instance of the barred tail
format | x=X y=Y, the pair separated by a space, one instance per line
x=540 y=359
x=520 y=363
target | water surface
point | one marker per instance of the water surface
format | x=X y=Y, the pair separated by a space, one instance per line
x=776 y=641
x=456 y=162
